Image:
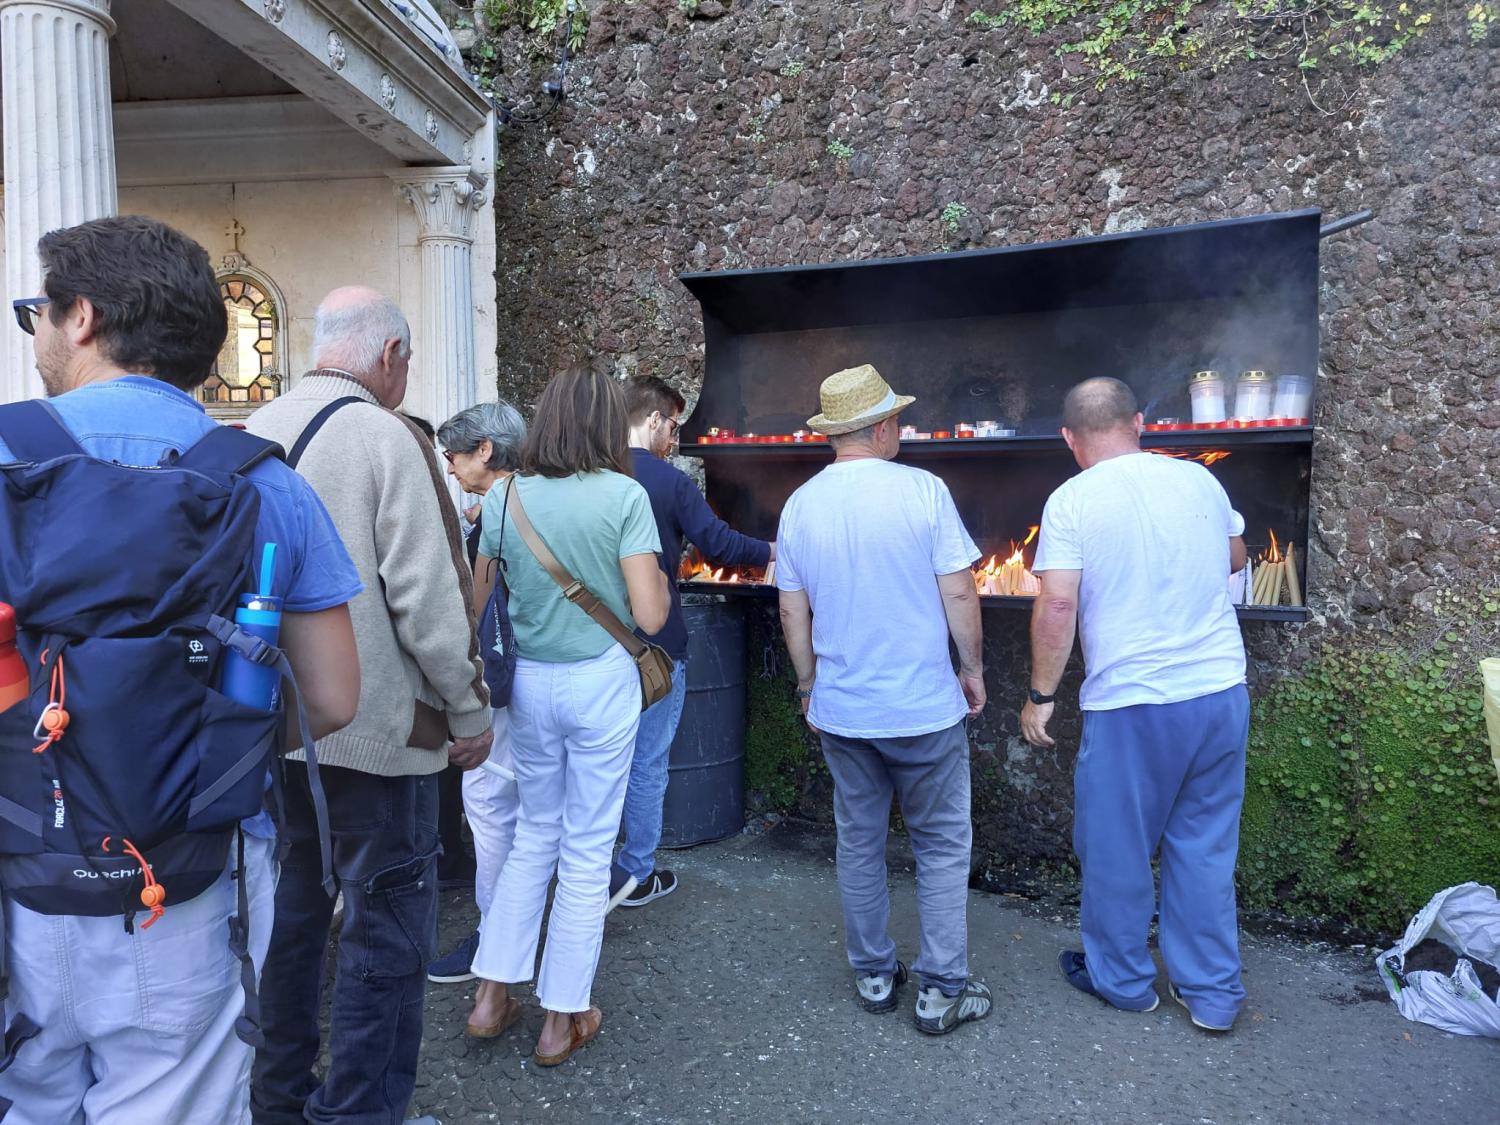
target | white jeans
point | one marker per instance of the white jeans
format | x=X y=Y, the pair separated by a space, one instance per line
x=136 y=1028
x=491 y=804
x=573 y=733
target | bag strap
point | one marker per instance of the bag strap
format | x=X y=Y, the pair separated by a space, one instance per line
x=258 y=651
x=248 y=1025
x=573 y=590
x=317 y=424
x=34 y=431
x=226 y=449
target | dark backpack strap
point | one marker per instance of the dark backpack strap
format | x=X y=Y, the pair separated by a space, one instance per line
x=21 y=1028
x=317 y=424
x=248 y=1026
x=257 y=651
x=226 y=449
x=34 y=431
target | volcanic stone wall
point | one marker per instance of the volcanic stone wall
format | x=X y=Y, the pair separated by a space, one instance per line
x=763 y=134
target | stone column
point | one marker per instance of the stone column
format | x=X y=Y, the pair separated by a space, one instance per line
x=59 y=146
x=446 y=201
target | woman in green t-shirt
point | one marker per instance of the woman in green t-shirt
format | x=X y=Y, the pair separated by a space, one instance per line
x=575 y=703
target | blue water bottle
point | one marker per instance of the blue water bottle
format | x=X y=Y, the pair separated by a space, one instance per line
x=256 y=685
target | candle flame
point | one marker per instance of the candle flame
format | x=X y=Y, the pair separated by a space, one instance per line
x=695 y=569
x=1205 y=457
x=1271 y=554
x=1009 y=577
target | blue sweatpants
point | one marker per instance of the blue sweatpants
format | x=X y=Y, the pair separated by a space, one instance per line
x=1167 y=777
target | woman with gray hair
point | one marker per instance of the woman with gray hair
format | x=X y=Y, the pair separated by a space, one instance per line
x=483 y=448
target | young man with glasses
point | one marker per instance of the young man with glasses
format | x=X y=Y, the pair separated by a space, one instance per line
x=655 y=411
x=138 y=1024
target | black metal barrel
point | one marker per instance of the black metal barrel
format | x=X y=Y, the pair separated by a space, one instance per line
x=706 y=767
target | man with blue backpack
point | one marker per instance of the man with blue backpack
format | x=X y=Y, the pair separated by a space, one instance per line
x=136 y=909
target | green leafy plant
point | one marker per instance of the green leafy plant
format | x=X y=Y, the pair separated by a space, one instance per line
x=839 y=149
x=780 y=763
x=953 y=214
x=1483 y=18
x=1369 y=783
x=1130 y=40
x=540 y=17
x=792 y=69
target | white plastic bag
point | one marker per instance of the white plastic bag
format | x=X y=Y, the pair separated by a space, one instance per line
x=1467 y=919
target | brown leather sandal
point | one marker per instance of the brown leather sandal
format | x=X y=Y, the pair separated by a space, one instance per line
x=584 y=1028
x=507 y=1019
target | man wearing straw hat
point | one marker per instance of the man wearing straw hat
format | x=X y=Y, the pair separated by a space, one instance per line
x=873 y=568
x=1136 y=553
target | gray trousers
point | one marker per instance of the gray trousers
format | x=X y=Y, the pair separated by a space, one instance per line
x=929 y=774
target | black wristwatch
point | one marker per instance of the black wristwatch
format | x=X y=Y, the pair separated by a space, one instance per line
x=1037 y=697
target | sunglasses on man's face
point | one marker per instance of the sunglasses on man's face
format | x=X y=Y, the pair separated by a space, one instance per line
x=27 y=309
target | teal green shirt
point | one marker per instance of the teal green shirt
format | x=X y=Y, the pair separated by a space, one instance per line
x=590 y=521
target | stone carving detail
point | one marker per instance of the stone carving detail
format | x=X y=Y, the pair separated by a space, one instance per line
x=430 y=126
x=338 y=55
x=445 y=203
x=387 y=92
x=275 y=10
x=468 y=152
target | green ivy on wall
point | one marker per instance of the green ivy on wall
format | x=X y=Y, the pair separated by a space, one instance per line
x=776 y=747
x=1369 y=780
x=1128 y=40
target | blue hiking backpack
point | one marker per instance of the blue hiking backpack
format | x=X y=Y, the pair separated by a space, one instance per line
x=125 y=769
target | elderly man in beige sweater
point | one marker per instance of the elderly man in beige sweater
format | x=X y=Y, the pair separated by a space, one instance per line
x=422 y=704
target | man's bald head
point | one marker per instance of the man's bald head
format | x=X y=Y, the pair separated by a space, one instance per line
x=352 y=328
x=1098 y=406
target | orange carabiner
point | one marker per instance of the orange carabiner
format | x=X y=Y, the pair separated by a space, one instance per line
x=54 y=719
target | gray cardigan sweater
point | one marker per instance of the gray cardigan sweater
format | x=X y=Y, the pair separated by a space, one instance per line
x=421 y=678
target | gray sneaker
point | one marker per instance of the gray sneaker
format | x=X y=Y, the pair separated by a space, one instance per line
x=937 y=1014
x=876 y=992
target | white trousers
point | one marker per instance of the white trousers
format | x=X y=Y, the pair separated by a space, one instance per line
x=490 y=805
x=136 y=1028
x=573 y=734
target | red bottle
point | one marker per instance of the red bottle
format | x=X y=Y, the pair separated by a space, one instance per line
x=15 y=685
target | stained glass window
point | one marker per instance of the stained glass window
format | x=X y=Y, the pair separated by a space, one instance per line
x=246 y=373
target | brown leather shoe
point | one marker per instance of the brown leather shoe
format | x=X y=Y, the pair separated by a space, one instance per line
x=584 y=1028
x=508 y=1017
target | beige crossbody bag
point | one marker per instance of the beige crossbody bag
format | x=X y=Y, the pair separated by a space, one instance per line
x=652 y=661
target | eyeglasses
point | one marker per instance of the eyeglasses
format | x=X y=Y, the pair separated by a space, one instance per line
x=27 y=309
x=675 y=423
x=448 y=455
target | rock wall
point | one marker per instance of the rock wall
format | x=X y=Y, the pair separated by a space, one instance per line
x=763 y=134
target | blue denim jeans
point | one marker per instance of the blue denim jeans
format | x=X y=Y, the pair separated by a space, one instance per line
x=641 y=821
x=385 y=860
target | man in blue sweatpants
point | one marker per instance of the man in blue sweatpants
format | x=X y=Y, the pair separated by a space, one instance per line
x=1135 y=555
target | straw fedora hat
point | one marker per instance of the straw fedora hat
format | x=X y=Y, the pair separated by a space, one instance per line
x=855 y=398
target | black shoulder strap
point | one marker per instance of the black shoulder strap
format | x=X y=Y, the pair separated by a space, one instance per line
x=317 y=424
x=227 y=449
x=34 y=432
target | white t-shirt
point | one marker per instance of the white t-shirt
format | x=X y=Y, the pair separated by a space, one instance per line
x=867 y=539
x=1151 y=536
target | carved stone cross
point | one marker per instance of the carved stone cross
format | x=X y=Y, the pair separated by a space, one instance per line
x=233 y=232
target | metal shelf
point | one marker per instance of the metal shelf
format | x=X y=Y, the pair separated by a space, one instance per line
x=1283 y=613
x=1034 y=443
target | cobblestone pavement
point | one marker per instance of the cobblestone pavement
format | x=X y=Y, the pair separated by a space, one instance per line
x=731 y=1001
